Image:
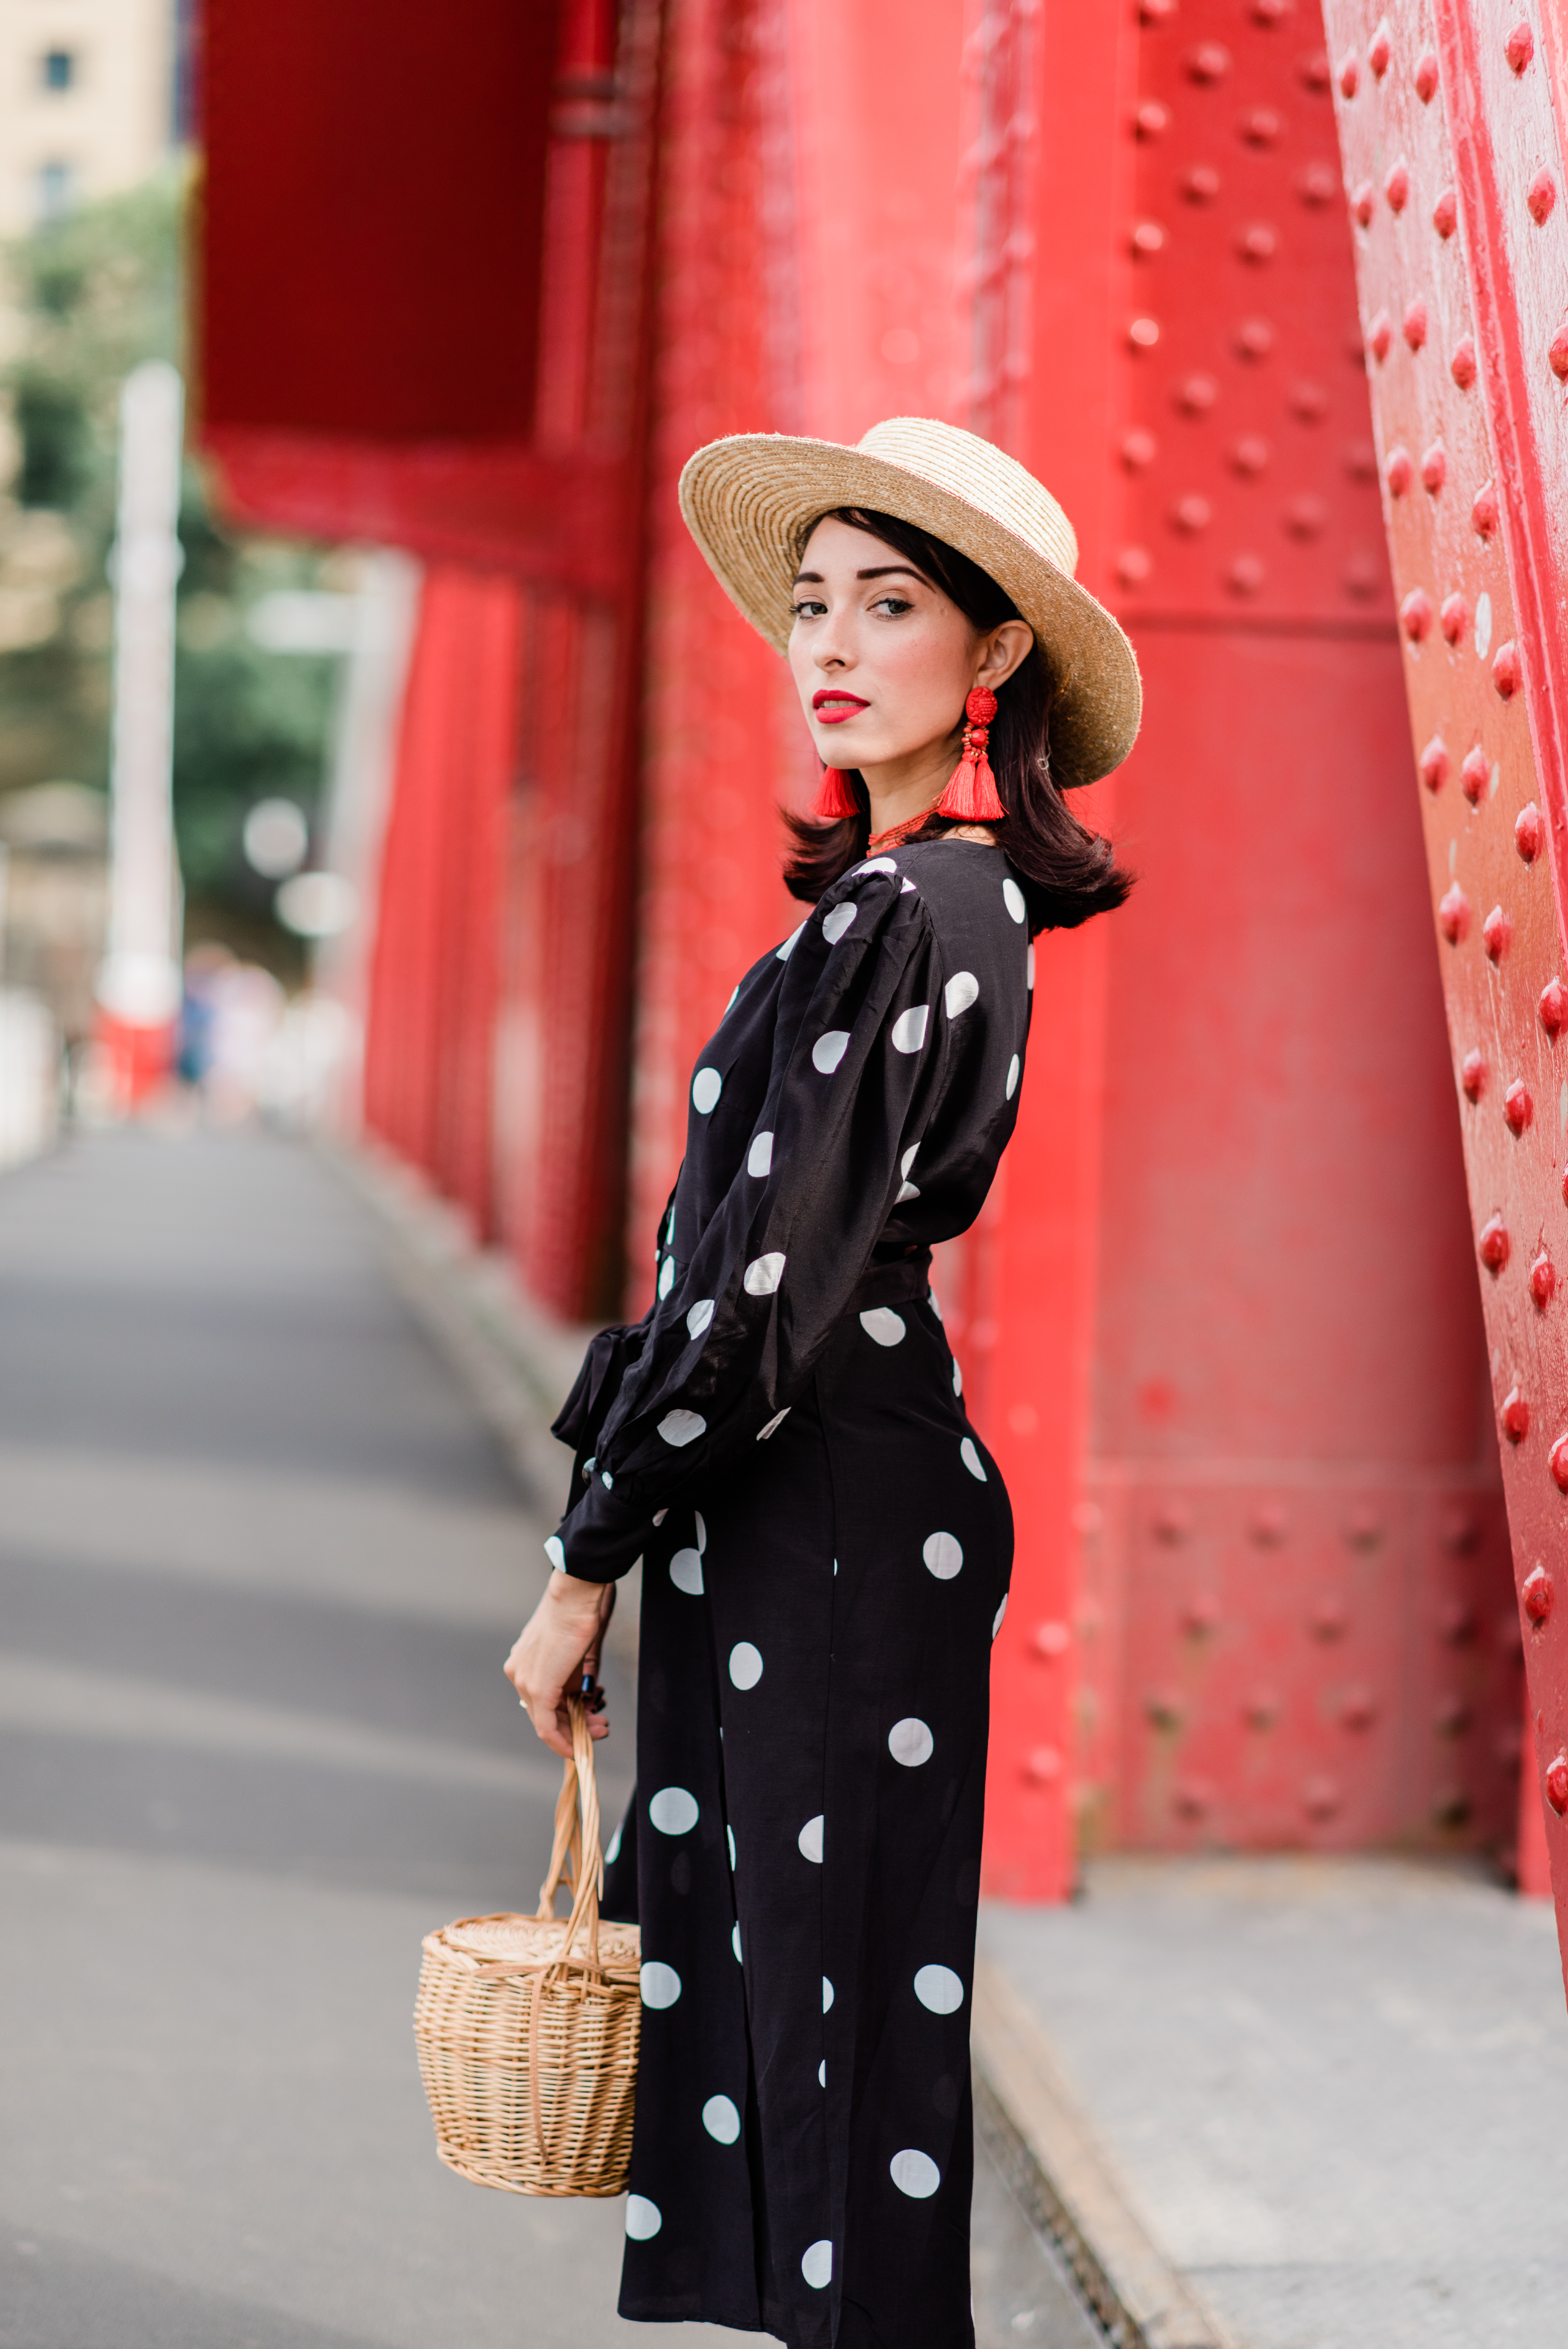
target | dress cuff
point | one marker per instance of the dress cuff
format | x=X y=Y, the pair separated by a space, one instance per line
x=601 y=1538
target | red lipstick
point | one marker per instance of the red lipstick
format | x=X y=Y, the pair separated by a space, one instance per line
x=830 y=707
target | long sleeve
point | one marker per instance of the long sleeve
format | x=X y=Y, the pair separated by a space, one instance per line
x=857 y=1065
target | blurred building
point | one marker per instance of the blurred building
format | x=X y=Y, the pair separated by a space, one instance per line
x=86 y=102
x=1219 y=1320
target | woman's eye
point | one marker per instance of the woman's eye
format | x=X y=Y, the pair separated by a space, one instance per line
x=893 y=604
x=808 y=609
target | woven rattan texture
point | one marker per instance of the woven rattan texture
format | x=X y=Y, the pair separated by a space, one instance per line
x=527 y=2027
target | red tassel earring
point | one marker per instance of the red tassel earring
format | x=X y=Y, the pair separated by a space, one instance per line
x=971 y=792
x=835 y=799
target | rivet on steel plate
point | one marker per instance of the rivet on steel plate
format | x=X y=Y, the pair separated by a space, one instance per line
x=1397 y=187
x=1260 y=1708
x=1254 y=338
x=1151 y=119
x=1379 y=336
x=1043 y=1765
x=1262 y=127
x=1208 y=63
x=1309 y=402
x=1398 y=471
x=1322 y=1799
x=1246 y=574
x=1557 y=352
x=1459 y=1531
x=1162 y=1708
x=1305 y=517
x=1484 y=513
x=1201 y=183
x=1173 y=1523
x=1454 y=915
x=1380 y=49
x=1520 y=48
x=1518 y=1108
x=1457 y=1622
x=1540 y=196
x=1472 y=1074
x=1543 y=1280
x=1197 y=393
x=1250 y=455
x=1415 y=615
x=1363 y=575
x=1139 y=448
x=1433 y=764
x=1450 y=1715
x=1527 y=834
x=1475 y=772
x=1349 y=75
x=1148 y=239
x=1537 y=1594
x=1318 y=184
x=1446 y=214
x=1050 y=1641
x=1192 y=514
x=1515 y=1416
x=1435 y=468
x=1330 y=1617
x=1494 y=1244
x=1133 y=566
x=1269 y=1525
x=1496 y=934
x=1364 y=203
x=1156 y=12
x=1557 y=1461
x=1414 y=325
x=1455 y=617
x=1143 y=334
x=1461 y=365
x=1426 y=78
x=1552 y=1009
x=1557 y=1784
x=1364 y=1530
x=1358 y=1707
x=1201 y=1615
x=1192 y=1798
x=1506 y=670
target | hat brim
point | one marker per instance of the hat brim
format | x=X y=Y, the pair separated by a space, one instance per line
x=750 y=502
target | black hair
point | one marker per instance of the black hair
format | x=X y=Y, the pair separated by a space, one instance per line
x=1069 y=872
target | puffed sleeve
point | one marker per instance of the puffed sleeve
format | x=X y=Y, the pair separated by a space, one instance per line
x=857 y=1063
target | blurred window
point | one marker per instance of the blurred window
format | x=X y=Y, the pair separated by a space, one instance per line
x=59 y=69
x=54 y=190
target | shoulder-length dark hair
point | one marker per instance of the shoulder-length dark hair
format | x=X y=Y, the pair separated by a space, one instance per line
x=1069 y=872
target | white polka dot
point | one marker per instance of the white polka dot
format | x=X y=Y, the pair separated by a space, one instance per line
x=835 y=924
x=877 y=864
x=907 y=1191
x=1030 y=963
x=721 y=2120
x=961 y=991
x=906 y=887
x=733 y=993
x=882 y=1324
x=673 y=1811
x=1012 y=899
x=817 y=2265
x=643 y=2218
x=932 y=1300
x=678 y=1427
x=744 y=1664
x=729 y=1838
x=788 y=948
x=735 y=1942
x=774 y=1424
x=613 y=1852
x=698 y=1318
x=666 y=1275
x=764 y=1273
x=701 y=1531
x=659 y=1515
x=685 y=1572
x=828 y=1049
x=915 y=2174
x=759 y=1157
x=826 y=1993
x=996 y=1618
x=939 y=1989
x=909 y=1027
x=909 y=1741
x=822 y=2072
x=907 y=1161
x=810 y=1839
x=661 y=1984
x=706 y=1089
x=1014 y=1068
x=606 y=1479
x=972 y=1460
x=958 y=1376
x=555 y=1553
x=943 y=1555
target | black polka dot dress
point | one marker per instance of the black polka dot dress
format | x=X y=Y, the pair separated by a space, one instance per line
x=827 y=1545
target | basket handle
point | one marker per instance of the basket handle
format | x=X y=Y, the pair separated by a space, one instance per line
x=577 y=1835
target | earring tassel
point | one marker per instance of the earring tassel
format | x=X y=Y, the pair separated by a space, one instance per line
x=834 y=800
x=970 y=796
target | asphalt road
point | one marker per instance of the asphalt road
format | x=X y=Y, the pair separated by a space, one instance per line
x=258 y=1565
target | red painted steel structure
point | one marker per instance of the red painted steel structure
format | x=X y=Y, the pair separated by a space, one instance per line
x=1219 y=1320
x=1450 y=120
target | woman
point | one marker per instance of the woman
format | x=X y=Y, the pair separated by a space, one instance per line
x=826 y=1541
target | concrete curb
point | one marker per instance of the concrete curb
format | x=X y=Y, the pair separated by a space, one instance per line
x=1070 y=2184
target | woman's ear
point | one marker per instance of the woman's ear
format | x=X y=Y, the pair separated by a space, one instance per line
x=1007 y=648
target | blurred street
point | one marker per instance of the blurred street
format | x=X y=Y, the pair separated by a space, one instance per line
x=260 y=1564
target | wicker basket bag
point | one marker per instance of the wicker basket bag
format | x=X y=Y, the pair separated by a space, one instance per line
x=527 y=2027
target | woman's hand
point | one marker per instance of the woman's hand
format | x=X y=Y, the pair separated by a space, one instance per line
x=559 y=1639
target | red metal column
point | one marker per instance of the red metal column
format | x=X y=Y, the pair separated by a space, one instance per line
x=1450 y=121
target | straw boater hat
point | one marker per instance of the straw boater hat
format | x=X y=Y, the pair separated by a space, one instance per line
x=750 y=503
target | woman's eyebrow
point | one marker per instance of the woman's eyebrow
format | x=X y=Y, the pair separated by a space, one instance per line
x=891 y=570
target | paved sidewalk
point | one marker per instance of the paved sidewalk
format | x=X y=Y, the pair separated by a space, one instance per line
x=1335 y=2093
x=259 y=1561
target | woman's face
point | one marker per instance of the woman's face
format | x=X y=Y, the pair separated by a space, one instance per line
x=882 y=660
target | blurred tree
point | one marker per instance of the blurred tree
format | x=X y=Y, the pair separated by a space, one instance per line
x=97 y=293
